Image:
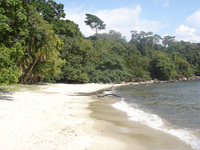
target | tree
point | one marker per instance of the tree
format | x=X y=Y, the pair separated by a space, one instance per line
x=9 y=72
x=13 y=31
x=167 y=40
x=110 y=68
x=139 y=67
x=50 y=10
x=182 y=66
x=13 y=22
x=144 y=41
x=75 y=51
x=36 y=45
x=95 y=24
x=41 y=45
x=162 y=67
x=66 y=28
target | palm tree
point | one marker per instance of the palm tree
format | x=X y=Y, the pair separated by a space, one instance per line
x=40 y=44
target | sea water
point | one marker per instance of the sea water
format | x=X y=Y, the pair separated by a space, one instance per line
x=173 y=108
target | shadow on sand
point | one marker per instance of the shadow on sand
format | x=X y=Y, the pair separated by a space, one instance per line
x=5 y=96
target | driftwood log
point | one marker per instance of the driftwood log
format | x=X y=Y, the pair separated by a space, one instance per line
x=108 y=95
x=99 y=93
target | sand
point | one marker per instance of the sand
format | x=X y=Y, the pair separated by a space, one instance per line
x=55 y=118
x=50 y=119
x=137 y=136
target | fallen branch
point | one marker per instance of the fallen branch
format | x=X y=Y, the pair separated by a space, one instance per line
x=97 y=93
x=108 y=95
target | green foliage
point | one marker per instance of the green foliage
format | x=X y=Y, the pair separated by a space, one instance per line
x=9 y=72
x=145 y=42
x=13 y=24
x=31 y=46
x=49 y=9
x=36 y=45
x=182 y=66
x=66 y=28
x=111 y=68
x=139 y=67
x=162 y=67
x=167 y=40
x=76 y=52
x=94 y=22
x=190 y=53
x=41 y=45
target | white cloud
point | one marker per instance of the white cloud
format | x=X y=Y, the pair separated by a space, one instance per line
x=190 y=31
x=122 y=20
x=194 y=19
x=186 y=33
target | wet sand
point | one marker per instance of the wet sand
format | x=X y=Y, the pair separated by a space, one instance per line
x=115 y=124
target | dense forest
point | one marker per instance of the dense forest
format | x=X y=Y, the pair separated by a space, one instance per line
x=37 y=44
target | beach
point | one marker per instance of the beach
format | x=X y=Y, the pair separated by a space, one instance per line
x=56 y=118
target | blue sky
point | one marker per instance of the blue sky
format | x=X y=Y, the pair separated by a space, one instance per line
x=180 y=18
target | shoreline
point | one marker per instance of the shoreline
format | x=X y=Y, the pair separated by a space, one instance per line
x=133 y=134
x=54 y=117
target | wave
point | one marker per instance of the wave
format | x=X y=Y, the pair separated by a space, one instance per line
x=154 y=121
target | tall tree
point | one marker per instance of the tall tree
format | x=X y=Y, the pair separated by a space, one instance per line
x=41 y=44
x=167 y=39
x=144 y=41
x=95 y=24
x=13 y=31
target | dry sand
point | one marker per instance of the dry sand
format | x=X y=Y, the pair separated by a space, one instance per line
x=51 y=119
x=54 y=118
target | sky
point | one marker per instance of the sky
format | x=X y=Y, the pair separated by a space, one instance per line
x=179 y=18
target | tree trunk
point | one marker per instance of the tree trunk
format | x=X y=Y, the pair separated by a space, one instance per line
x=33 y=65
x=95 y=40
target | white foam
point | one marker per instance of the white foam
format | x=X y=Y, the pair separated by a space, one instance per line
x=154 y=121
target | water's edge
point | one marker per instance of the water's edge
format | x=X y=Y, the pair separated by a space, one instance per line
x=128 y=131
x=154 y=121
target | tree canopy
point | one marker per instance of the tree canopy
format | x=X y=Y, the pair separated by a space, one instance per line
x=49 y=9
x=94 y=22
x=37 y=44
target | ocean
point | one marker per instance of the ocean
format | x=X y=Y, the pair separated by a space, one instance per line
x=173 y=108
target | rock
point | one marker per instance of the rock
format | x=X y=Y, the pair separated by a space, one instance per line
x=184 y=79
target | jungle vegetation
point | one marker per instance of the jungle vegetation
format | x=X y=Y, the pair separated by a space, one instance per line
x=38 y=44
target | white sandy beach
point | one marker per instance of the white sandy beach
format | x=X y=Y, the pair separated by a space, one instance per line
x=54 y=118
x=51 y=119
